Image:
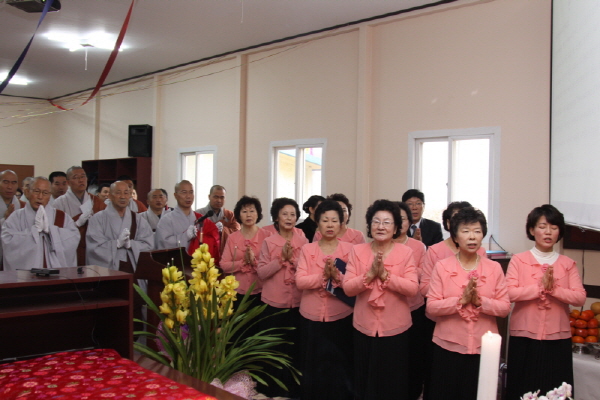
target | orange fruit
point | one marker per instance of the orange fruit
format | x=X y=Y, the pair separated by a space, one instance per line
x=581 y=332
x=577 y=339
x=593 y=323
x=587 y=315
x=597 y=317
x=575 y=313
x=580 y=324
x=572 y=331
x=592 y=332
x=572 y=321
x=591 y=339
x=595 y=307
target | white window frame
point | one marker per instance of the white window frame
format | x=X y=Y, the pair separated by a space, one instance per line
x=297 y=144
x=196 y=150
x=450 y=135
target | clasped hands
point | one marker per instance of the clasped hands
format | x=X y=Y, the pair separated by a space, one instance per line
x=471 y=294
x=548 y=279
x=330 y=271
x=249 y=257
x=287 y=252
x=123 y=240
x=41 y=220
x=377 y=269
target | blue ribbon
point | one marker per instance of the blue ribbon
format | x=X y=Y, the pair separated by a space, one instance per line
x=15 y=67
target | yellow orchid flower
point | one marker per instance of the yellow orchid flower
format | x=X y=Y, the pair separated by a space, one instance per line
x=169 y=323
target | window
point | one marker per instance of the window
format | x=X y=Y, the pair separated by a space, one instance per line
x=197 y=165
x=297 y=169
x=456 y=165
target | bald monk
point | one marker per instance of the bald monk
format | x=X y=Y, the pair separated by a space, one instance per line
x=38 y=235
x=9 y=183
x=79 y=205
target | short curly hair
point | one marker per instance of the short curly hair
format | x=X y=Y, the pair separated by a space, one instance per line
x=329 y=205
x=278 y=204
x=466 y=216
x=553 y=216
x=247 y=201
x=455 y=206
x=342 y=197
x=384 y=205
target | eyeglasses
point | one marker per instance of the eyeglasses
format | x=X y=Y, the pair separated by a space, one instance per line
x=44 y=193
x=417 y=204
x=386 y=222
x=78 y=177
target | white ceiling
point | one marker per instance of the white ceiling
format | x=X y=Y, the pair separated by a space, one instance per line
x=161 y=34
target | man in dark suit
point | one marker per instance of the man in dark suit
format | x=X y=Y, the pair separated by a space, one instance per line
x=423 y=229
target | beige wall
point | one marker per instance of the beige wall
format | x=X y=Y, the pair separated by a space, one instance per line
x=464 y=65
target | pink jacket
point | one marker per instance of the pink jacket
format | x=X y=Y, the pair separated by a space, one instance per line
x=435 y=253
x=539 y=314
x=317 y=304
x=459 y=328
x=231 y=261
x=351 y=236
x=418 y=249
x=381 y=307
x=279 y=278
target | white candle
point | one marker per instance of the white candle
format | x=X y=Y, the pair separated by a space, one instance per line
x=489 y=366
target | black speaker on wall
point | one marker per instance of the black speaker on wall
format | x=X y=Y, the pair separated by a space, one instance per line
x=140 y=141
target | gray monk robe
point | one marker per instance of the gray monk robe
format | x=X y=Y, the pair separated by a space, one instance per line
x=171 y=231
x=3 y=207
x=154 y=219
x=103 y=231
x=26 y=248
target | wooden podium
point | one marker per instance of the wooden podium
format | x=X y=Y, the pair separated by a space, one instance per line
x=63 y=312
x=149 y=267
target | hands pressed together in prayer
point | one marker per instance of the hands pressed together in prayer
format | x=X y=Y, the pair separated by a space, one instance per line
x=548 y=279
x=123 y=240
x=287 y=253
x=249 y=257
x=470 y=294
x=377 y=269
x=330 y=271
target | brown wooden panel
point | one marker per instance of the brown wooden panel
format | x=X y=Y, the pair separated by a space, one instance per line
x=581 y=239
x=22 y=171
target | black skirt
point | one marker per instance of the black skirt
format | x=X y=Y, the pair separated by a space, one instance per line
x=381 y=366
x=537 y=365
x=291 y=318
x=454 y=376
x=328 y=371
x=421 y=353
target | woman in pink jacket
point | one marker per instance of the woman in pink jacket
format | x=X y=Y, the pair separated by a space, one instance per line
x=240 y=257
x=276 y=269
x=542 y=284
x=327 y=321
x=346 y=234
x=466 y=294
x=382 y=275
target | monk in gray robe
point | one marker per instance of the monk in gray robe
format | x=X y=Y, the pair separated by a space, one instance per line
x=157 y=207
x=9 y=183
x=79 y=205
x=39 y=236
x=116 y=236
x=180 y=228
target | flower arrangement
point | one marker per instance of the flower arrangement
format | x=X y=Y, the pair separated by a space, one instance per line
x=201 y=334
x=563 y=392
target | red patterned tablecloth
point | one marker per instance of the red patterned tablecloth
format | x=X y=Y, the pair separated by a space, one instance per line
x=86 y=375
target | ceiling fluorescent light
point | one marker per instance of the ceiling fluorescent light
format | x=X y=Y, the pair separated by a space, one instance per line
x=74 y=42
x=16 y=80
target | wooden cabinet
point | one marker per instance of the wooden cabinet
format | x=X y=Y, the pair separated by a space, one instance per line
x=107 y=171
x=40 y=315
